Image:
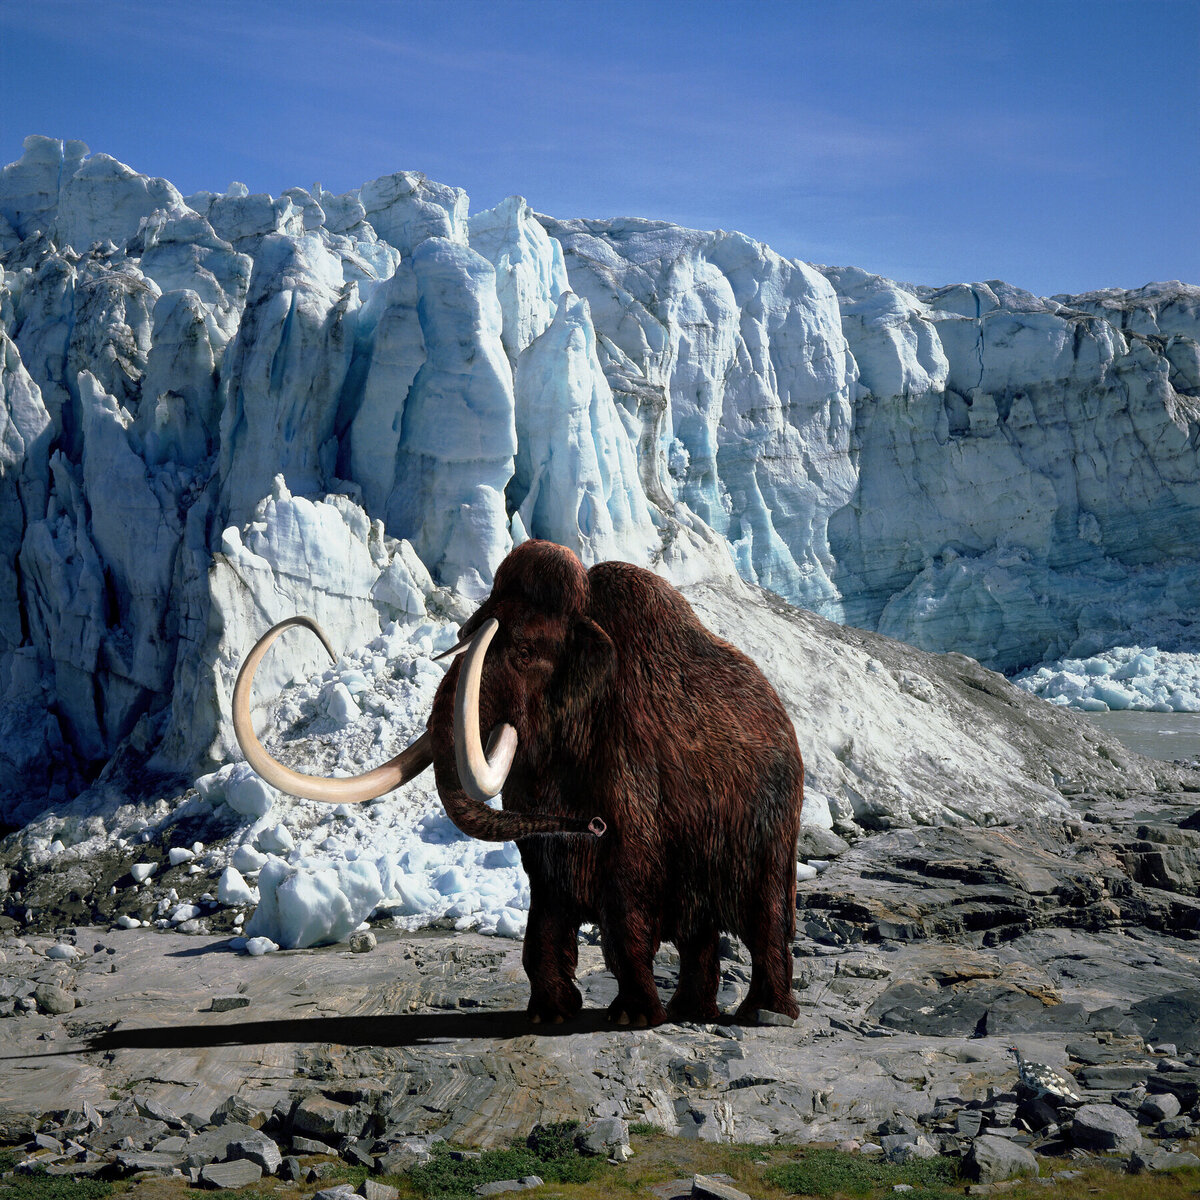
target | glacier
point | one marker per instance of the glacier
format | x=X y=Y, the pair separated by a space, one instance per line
x=222 y=408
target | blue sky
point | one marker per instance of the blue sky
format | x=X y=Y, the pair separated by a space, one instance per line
x=1053 y=144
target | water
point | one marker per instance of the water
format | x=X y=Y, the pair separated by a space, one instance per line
x=1167 y=736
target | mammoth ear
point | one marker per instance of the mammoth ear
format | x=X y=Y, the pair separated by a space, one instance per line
x=589 y=663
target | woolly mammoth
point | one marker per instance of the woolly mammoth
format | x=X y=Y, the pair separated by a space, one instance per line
x=651 y=780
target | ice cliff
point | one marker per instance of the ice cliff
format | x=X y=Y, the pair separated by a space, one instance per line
x=218 y=409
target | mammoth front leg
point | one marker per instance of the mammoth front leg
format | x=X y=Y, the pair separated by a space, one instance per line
x=550 y=955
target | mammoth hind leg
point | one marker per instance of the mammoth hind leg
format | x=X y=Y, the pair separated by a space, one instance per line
x=550 y=955
x=768 y=934
x=695 y=998
x=630 y=939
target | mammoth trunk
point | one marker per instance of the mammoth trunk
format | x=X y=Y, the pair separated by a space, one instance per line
x=454 y=722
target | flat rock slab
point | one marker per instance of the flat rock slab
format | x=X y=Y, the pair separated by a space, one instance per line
x=239 y=1173
x=427 y=1033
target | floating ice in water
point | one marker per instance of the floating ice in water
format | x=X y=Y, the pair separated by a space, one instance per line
x=1126 y=677
x=179 y=854
x=142 y=871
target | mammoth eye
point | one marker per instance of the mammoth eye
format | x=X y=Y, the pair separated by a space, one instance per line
x=522 y=653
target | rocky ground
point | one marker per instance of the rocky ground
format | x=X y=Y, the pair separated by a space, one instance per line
x=922 y=955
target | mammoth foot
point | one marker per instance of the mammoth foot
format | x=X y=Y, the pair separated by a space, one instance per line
x=640 y=1014
x=749 y=1008
x=556 y=1009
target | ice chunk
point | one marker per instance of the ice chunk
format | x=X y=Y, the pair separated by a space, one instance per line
x=233 y=889
x=314 y=902
x=247 y=860
x=276 y=839
x=245 y=793
x=340 y=705
x=1125 y=677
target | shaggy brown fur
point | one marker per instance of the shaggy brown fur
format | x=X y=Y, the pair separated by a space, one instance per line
x=629 y=709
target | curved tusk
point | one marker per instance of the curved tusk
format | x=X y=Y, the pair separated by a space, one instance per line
x=481 y=776
x=392 y=774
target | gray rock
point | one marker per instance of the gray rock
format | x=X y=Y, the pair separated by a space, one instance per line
x=1158 y=1107
x=992 y=1159
x=815 y=842
x=339 y=1191
x=50 y=998
x=129 y=1132
x=764 y=1016
x=237 y=1173
x=371 y=1189
x=1152 y=1159
x=1175 y=1127
x=968 y=1122
x=916 y=1148
x=150 y=1160
x=1131 y=1100
x=1105 y=1127
x=304 y=1145
x=358 y=1152
x=711 y=1188
x=602 y=1136
x=1112 y=1077
x=212 y=1145
x=229 y=1003
x=363 y=942
x=235 y=1110
x=258 y=1148
x=158 y=1111
x=398 y=1159
x=327 y=1119
x=290 y=1169
x=508 y=1185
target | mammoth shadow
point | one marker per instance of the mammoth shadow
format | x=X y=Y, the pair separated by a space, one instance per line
x=402 y=1029
x=651 y=780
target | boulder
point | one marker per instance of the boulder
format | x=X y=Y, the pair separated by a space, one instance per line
x=992 y=1159
x=1158 y=1107
x=1105 y=1127
x=602 y=1136
x=257 y=1148
x=327 y=1119
x=52 y=999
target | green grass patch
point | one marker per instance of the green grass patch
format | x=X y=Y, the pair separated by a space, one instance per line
x=827 y=1172
x=646 y=1129
x=40 y=1186
x=548 y=1152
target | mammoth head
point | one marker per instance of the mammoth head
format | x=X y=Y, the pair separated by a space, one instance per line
x=531 y=665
